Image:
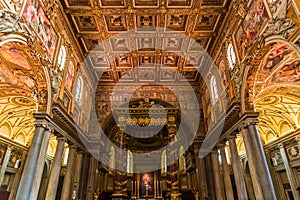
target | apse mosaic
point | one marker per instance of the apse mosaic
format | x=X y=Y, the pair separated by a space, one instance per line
x=39 y=23
x=253 y=23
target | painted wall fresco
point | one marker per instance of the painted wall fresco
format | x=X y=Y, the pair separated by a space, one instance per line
x=70 y=76
x=254 y=21
x=290 y=72
x=39 y=23
x=275 y=56
x=223 y=75
x=13 y=55
x=9 y=77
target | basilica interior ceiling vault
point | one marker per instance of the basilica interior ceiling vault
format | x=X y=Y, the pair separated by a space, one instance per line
x=94 y=22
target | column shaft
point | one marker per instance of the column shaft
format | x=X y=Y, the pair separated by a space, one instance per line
x=217 y=176
x=237 y=170
x=17 y=178
x=252 y=165
x=4 y=164
x=91 y=179
x=29 y=171
x=289 y=173
x=69 y=174
x=226 y=175
x=40 y=166
x=55 y=170
x=201 y=176
x=261 y=164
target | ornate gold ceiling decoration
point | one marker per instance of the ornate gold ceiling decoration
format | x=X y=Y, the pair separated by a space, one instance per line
x=279 y=113
x=93 y=22
x=21 y=73
x=16 y=118
x=273 y=86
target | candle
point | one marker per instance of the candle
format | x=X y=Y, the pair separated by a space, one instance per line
x=138 y=190
x=132 y=192
x=135 y=189
x=157 y=187
x=160 y=188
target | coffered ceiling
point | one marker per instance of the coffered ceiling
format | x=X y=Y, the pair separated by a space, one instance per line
x=97 y=22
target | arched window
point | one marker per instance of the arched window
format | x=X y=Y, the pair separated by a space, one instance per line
x=214 y=90
x=61 y=60
x=181 y=160
x=78 y=91
x=129 y=162
x=231 y=56
x=164 y=162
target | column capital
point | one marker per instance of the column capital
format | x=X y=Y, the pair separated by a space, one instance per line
x=41 y=123
x=231 y=137
x=72 y=146
x=280 y=145
x=61 y=138
x=214 y=151
x=221 y=145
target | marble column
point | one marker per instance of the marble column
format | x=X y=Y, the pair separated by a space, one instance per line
x=4 y=164
x=79 y=159
x=226 y=174
x=289 y=172
x=201 y=176
x=91 y=178
x=41 y=163
x=66 y=190
x=252 y=162
x=17 y=178
x=259 y=162
x=30 y=167
x=217 y=175
x=55 y=169
x=277 y=182
x=237 y=170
